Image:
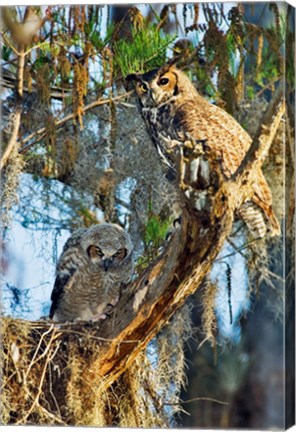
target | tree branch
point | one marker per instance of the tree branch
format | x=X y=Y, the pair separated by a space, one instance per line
x=11 y=46
x=265 y=134
x=13 y=140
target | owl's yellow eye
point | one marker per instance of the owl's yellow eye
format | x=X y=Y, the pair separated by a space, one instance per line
x=121 y=253
x=94 y=251
x=163 y=81
x=143 y=87
x=99 y=252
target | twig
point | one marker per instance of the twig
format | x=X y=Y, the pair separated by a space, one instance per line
x=42 y=131
x=198 y=399
x=267 y=86
x=36 y=400
x=52 y=416
x=7 y=41
x=33 y=361
x=238 y=249
x=35 y=47
x=97 y=337
x=52 y=393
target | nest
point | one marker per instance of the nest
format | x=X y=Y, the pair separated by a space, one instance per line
x=50 y=376
x=42 y=367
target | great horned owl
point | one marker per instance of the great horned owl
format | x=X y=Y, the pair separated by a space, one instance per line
x=95 y=265
x=182 y=123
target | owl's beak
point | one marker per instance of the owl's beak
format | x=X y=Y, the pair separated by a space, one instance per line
x=154 y=92
x=106 y=263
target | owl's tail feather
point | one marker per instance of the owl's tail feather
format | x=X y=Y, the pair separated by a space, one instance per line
x=262 y=199
x=255 y=219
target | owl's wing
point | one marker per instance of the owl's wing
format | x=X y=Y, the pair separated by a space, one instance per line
x=66 y=268
x=202 y=121
x=61 y=281
x=233 y=151
x=228 y=143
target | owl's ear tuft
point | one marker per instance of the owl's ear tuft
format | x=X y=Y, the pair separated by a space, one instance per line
x=164 y=69
x=130 y=81
x=168 y=67
x=132 y=77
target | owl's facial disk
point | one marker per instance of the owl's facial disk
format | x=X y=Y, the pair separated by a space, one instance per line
x=164 y=87
x=155 y=87
x=105 y=260
x=144 y=93
x=141 y=83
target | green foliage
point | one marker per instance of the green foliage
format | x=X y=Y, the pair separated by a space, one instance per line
x=155 y=234
x=6 y=51
x=145 y=51
x=156 y=231
x=250 y=92
x=269 y=72
x=232 y=49
x=205 y=82
x=40 y=62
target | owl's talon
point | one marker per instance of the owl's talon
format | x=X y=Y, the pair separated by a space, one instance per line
x=184 y=186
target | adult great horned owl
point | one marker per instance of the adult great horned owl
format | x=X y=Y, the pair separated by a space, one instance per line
x=95 y=265
x=182 y=123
